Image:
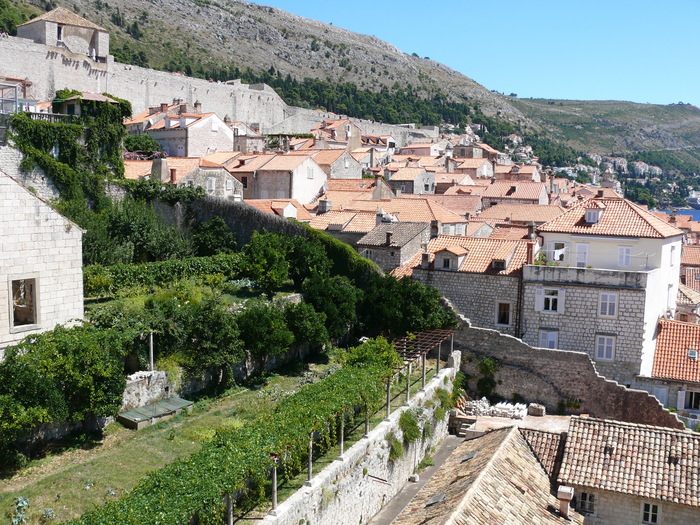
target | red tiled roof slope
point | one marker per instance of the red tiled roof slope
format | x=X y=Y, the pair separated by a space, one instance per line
x=671 y=359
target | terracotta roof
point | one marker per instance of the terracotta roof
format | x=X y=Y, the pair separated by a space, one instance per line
x=402 y=234
x=509 y=231
x=137 y=169
x=222 y=157
x=486 y=147
x=459 y=204
x=522 y=212
x=251 y=163
x=442 y=177
x=671 y=359
x=690 y=256
x=688 y=295
x=410 y=210
x=347 y=221
x=548 y=448
x=480 y=256
x=276 y=207
x=407 y=174
x=470 y=163
x=326 y=157
x=640 y=460
x=515 y=190
x=364 y=185
x=690 y=276
x=284 y=163
x=620 y=218
x=61 y=15
x=97 y=97
x=493 y=479
x=466 y=190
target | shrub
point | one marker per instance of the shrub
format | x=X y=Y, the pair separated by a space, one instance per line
x=408 y=424
x=396 y=450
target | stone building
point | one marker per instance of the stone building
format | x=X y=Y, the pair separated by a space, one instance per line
x=192 y=134
x=412 y=180
x=336 y=163
x=626 y=473
x=391 y=245
x=40 y=265
x=514 y=192
x=611 y=271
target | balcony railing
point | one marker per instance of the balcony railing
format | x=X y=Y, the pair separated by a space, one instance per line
x=586 y=276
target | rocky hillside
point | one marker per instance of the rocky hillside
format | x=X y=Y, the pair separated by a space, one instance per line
x=195 y=36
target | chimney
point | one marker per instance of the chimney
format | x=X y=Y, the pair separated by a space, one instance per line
x=531 y=230
x=183 y=109
x=600 y=194
x=565 y=495
x=173 y=176
x=530 y=253
x=164 y=107
x=448 y=165
x=425 y=260
x=227 y=121
x=198 y=107
x=388 y=238
x=324 y=205
x=371 y=157
x=167 y=122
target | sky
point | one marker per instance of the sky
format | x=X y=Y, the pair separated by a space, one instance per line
x=641 y=51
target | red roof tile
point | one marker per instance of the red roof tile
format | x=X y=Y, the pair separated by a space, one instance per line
x=671 y=359
x=690 y=256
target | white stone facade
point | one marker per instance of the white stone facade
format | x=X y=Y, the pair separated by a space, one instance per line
x=612 y=508
x=41 y=276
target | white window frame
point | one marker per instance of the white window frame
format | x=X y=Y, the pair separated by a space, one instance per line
x=605 y=347
x=211 y=183
x=549 y=300
x=624 y=256
x=498 y=313
x=548 y=338
x=581 y=255
x=35 y=306
x=557 y=251
x=608 y=304
x=651 y=512
x=673 y=255
x=309 y=172
x=586 y=503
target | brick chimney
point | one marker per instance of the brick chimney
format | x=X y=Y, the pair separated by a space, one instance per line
x=164 y=107
x=600 y=194
x=388 y=238
x=173 y=175
x=198 y=107
x=530 y=253
x=425 y=260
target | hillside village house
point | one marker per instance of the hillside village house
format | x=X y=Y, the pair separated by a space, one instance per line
x=613 y=272
x=41 y=281
x=412 y=180
x=337 y=134
x=514 y=192
x=627 y=473
x=335 y=163
x=64 y=29
x=392 y=244
x=192 y=134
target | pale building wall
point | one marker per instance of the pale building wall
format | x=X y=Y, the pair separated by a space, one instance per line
x=346 y=167
x=37 y=243
x=209 y=136
x=612 y=508
x=306 y=188
x=217 y=182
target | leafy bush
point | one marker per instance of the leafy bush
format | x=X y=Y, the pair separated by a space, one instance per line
x=408 y=423
x=396 y=450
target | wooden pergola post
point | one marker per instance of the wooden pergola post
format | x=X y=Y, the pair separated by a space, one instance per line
x=439 y=356
x=408 y=385
x=311 y=459
x=342 y=434
x=388 y=398
x=424 y=358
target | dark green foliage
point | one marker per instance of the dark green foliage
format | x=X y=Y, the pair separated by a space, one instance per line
x=337 y=298
x=374 y=352
x=13 y=15
x=307 y=325
x=264 y=331
x=396 y=450
x=266 y=261
x=487 y=366
x=306 y=257
x=67 y=374
x=148 y=190
x=213 y=237
x=144 y=144
x=409 y=426
x=459 y=387
x=395 y=307
x=106 y=281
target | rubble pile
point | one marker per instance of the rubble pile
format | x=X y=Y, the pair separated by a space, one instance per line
x=482 y=407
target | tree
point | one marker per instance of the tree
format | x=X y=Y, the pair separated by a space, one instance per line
x=336 y=297
x=308 y=325
x=266 y=261
x=213 y=237
x=264 y=331
x=307 y=257
x=143 y=143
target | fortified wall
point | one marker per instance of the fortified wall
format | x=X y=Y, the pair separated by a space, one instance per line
x=47 y=69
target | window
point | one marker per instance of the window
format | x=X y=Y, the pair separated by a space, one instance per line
x=650 y=513
x=211 y=183
x=309 y=172
x=446 y=263
x=692 y=400
x=605 y=347
x=427 y=187
x=593 y=215
x=549 y=300
x=624 y=256
x=244 y=181
x=24 y=302
x=229 y=184
x=608 y=304
x=59 y=33
x=503 y=314
x=403 y=188
x=549 y=338
x=683 y=317
x=586 y=503
x=581 y=255
x=214 y=126
x=556 y=251
x=673 y=261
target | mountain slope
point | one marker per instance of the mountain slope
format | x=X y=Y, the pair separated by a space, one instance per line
x=224 y=37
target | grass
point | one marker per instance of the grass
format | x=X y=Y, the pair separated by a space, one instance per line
x=88 y=475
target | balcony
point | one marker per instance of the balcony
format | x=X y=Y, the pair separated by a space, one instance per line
x=586 y=276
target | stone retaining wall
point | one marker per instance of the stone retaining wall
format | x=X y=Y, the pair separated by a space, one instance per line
x=353 y=489
x=553 y=377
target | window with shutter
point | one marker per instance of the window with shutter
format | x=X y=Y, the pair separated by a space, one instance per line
x=549 y=338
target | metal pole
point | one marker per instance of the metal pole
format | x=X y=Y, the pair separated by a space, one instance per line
x=424 y=359
x=388 y=397
x=311 y=458
x=438 y=359
x=150 y=352
x=452 y=343
x=366 y=421
x=229 y=510
x=274 y=484
x=408 y=384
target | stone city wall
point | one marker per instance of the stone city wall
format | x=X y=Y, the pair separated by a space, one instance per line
x=353 y=489
x=553 y=377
